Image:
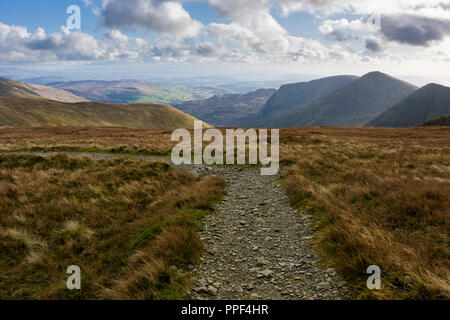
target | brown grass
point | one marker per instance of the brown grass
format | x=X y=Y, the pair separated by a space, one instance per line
x=380 y=196
x=123 y=222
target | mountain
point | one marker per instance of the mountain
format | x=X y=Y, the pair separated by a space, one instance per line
x=428 y=102
x=229 y=110
x=130 y=91
x=443 y=121
x=16 y=111
x=297 y=95
x=10 y=88
x=351 y=105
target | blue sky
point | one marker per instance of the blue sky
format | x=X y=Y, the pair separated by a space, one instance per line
x=51 y=15
x=281 y=36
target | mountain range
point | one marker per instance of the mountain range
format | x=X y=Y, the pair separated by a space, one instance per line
x=355 y=102
x=229 y=110
x=375 y=99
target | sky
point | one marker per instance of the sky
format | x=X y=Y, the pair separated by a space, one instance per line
x=407 y=38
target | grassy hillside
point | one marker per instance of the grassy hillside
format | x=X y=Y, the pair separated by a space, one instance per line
x=55 y=94
x=428 y=102
x=41 y=112
x=123 y=222
x=441 y=121
x=9 y=88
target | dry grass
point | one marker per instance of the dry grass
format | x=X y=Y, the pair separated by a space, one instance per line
x=123 y=222
x=105 y=139
x=380 y=196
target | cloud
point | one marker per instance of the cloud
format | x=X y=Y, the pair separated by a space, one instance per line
x=17 y=44
x=373 y=45
x=161 y=16
x=414 y=30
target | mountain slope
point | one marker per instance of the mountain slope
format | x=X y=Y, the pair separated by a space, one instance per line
x=352 y=105
x=428 y=102
x=51 y=93
x=229 y=110
x=443 y=121
x=16 y=111
x=10 y=88
x=297 y=95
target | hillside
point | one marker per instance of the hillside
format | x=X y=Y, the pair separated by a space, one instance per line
x=229 y=110
x=428 y=102
x=297 y=95
x=352 y=105
x=16 y=111
x=443 y=121
x=11 y=88
x=130 y=91
x=51 y=93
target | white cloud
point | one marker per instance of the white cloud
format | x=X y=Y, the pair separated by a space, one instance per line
x=162 y=16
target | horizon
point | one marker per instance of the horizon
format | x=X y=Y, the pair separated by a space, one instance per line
x=243 y=40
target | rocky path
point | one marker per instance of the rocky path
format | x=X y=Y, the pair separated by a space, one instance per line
x=258 y=246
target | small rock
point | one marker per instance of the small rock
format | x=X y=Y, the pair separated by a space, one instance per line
x=323 y=285
x=212 y=291
x=266 y=273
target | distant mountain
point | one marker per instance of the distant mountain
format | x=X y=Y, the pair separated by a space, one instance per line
x=42 y=80
x=16 y=111
x=10 y=88
x=129 y=91
x=428 y=102
x=297 y=95
x=229 y=110
x=351 y=105
x=443 y=121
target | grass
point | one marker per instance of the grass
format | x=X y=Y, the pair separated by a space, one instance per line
x=379 y=196
x=124 y=222
x=41 y=112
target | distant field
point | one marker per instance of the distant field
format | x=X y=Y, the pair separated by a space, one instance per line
x=125 y=223
x=379 y=196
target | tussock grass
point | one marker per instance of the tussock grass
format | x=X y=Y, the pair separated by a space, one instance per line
x=379 y=196
x=123 y=222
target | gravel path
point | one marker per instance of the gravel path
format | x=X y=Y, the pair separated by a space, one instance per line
x=258 y=245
